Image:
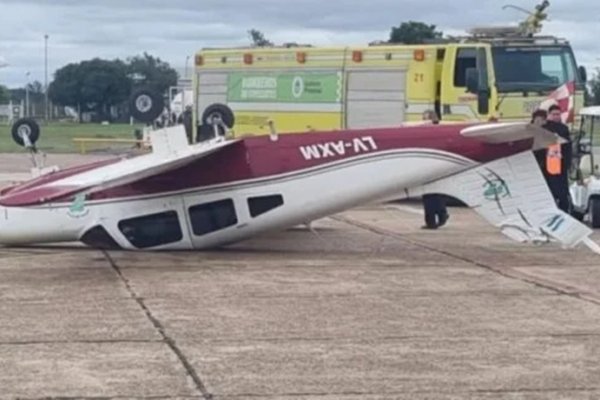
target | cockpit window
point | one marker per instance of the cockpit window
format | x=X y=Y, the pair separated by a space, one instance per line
x=533 y=68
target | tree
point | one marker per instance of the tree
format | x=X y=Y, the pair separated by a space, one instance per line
x=98 y=85
x=104 y=84
x=258 y=39
x=151 y=72
x=4 y=94
x=413 y=32
x=65 y=89
x=35 y=87
x=91 y=85
x=34 y=92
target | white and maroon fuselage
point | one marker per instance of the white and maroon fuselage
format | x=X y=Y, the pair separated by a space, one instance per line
x=242 y=189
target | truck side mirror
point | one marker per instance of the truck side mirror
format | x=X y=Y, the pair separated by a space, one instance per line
x=472 y=79
x=583 y=74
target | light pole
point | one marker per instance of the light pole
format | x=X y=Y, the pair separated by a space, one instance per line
x=185 y=76
x=27 y=95
x=46 y=75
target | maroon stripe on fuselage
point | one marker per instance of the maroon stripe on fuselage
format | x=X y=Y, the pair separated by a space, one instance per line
x=259 y=157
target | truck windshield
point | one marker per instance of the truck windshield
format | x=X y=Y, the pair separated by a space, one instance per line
x=533 y=68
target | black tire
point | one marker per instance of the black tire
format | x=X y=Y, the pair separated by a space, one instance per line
x=220 y=110
x=595 y=212
x=25 y=126
x=146 y=105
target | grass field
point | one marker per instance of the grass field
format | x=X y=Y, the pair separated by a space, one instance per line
x=58 y=137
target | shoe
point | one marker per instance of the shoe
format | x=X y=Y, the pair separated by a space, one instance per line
x=443 y=219
x=429 y=227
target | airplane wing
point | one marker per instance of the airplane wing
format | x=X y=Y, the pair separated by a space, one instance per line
x=170 y=151
x=505 y=132
x=511 y=193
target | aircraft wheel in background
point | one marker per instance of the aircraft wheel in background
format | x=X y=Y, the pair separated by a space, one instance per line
x=25 y=127
x=146 y=105
x=215 y=111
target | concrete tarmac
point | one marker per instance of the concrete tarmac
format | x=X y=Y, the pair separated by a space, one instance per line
x=369 y=307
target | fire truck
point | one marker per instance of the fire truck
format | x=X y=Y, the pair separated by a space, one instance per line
x=494 y=73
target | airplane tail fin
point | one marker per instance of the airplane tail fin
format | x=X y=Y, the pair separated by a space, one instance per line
x=511 y=193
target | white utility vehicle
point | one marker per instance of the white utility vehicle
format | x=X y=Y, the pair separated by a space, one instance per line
x=585 y=190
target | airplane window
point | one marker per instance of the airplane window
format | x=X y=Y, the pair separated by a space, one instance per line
x=152 y=230
x=212 y=217
x=263 y=204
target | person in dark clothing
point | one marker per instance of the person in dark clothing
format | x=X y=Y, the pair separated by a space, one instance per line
x=436 y=213
x=187 y=119
x=539 y=118
x=557 y=180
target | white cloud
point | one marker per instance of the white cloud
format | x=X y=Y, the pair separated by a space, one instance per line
x=174 y=29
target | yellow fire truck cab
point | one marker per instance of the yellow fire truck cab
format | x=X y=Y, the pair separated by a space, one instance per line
x=491 y=74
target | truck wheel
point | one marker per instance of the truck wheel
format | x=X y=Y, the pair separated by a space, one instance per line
x=25 y=127
x=595 y=212
x=146 y=105
x=578 y=215
x=219 y=111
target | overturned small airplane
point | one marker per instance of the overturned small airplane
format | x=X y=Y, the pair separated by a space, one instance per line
x=220 y=190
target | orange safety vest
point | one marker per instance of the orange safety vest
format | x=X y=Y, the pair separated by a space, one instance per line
x=553 y=160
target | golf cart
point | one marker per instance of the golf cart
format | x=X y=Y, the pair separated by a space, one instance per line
x=585 y=190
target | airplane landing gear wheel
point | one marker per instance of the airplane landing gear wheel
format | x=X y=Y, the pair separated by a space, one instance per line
x=25 y=132
x=216 y=112
x=219 y=116
x=146 y=105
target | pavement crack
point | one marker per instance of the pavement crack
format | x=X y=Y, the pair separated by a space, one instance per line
x=161 y=330
x=506 y=272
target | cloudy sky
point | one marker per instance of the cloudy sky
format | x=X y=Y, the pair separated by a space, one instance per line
x=173 y=29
